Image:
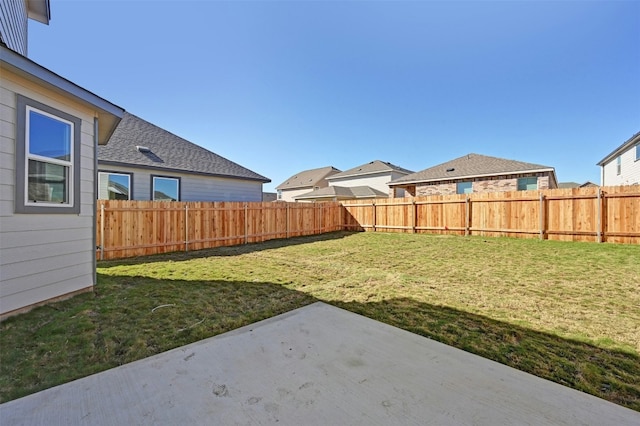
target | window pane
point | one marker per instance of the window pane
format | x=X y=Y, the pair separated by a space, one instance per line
x=49 y=137
x=464 y=188
x=47 y=182
x=528 y=184
x=637 y=152
x=165 y=189
x=113 y=186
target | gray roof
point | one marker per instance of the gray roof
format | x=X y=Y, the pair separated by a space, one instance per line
x=471 y=165
x=566 y=185
x=308 y=178
x=342 y=192
x=375 y=166
x=622 y=148
x=166 y=152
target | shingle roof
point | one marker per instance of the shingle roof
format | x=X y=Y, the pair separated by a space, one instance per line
x=619 y=150
x=307 y=178
x=166 y=152
x=343 y=192
x=471 y=165
x=375 y=166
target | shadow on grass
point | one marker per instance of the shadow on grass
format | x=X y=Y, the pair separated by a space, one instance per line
x=236 y=250
x=129 y=318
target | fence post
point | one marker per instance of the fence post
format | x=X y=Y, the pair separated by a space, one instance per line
x=467 y=211
x=373 y=204
x=541 y=215
x=102 y=231
x=246 y=224
x=599 y=215
x=287 y=224
x=186 y=227
x=414 y=213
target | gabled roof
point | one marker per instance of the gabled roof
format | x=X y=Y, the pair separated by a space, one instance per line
x=166 y=151
x=622 y=148
x=342 y=193
x=469 y=166
x=567 y=185
x=308 y=178
x=375 y=166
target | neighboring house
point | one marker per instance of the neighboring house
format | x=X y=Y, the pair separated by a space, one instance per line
x=269 y=196
x=622 y=166
x=566 y=185
x=477 y=173
x=304 y=182
x=144 y=162
x=337 y=193
x=371 y=179
x=50 y=129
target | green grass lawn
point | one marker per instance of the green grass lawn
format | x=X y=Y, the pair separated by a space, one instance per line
x=568 y=312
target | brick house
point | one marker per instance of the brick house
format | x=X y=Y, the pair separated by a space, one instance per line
x=475 y=173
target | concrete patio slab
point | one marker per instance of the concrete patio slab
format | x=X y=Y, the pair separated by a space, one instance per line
x=318 y=365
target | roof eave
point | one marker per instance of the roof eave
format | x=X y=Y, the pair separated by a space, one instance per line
x=364 y=174
x=39 y=10
x=109 y=114
x=619 y=150
x=413 y=182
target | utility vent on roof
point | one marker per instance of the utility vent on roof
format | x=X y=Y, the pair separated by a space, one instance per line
x=143 y=148
x=450 y=170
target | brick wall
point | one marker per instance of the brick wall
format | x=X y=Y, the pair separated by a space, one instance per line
x=480 y=185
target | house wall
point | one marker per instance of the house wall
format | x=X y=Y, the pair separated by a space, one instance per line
x=376 y=181
x=630 y=169
x=290 y=194
x=192 y=187
x=13 y=25
x=43 y=256
x=481 y=185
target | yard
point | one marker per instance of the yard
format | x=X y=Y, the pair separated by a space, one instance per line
x=568 y=312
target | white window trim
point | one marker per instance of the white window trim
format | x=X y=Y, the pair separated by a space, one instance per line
x=29 y=156
x=22 y=205
x=153 y=186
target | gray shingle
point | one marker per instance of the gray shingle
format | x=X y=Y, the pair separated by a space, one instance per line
x=375 y=166
x=308 y=178
x=343 y=192
x=470 y=165
x=166 y=152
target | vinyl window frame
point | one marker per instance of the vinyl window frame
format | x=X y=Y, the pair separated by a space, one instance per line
x=462 y=187
x=22 y=204
x=153 y=180
x=524 y=182
x=109 y=172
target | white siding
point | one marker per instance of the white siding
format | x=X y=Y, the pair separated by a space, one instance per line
x=290 y=194
x=629 y=173
x=376 y=181
x=13 y=25
x=43 y=256
x=192 y=187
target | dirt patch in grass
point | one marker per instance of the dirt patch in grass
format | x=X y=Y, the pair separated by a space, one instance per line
x=568 y=312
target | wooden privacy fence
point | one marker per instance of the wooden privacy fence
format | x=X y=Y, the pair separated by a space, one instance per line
x=140 y=228
x=610 y=214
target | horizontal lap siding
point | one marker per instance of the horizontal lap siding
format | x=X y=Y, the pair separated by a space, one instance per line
x=13 y=25
x=43 y=256
x=192 y=187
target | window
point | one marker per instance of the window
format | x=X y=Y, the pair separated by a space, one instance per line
x=165 y=188
x=638 y=152
x=279 y=194
x=618 y=165
x=114 y=186
x=47 y=159
x=464 y=187
x=527 y=184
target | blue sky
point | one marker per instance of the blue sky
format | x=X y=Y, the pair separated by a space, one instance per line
x=285 y=86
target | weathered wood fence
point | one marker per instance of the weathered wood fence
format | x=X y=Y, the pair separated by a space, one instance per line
x=603 y=214
x=140 y=228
